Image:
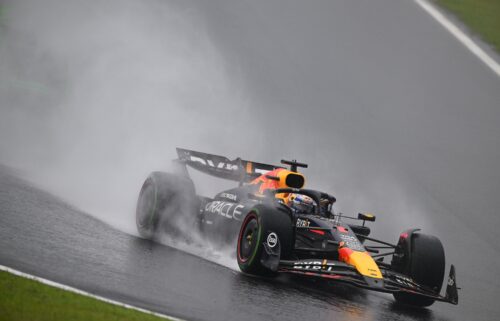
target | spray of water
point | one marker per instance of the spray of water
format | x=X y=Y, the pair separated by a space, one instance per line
x=95 y=95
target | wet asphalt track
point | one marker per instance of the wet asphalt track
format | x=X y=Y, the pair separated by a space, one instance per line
x=41 y=235
x=434 y=124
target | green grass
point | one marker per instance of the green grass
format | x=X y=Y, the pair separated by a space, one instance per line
x=481 y=16
x=22 y=299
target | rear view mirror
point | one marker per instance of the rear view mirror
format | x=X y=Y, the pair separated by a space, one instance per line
x=366 y=217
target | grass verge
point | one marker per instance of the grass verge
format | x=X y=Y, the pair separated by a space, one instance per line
x=481 y=16
x=23 y=299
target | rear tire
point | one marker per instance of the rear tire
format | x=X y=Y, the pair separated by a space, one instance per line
x=425 y=265
x=258 y=225
x=164 y=200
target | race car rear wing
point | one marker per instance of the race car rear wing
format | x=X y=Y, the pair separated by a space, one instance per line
x=219 y=166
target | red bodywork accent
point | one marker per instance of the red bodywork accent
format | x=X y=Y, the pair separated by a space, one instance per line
x=266 y=183
x=240 y=236
x=341 y=229
x=320 y=232
x=344 y=254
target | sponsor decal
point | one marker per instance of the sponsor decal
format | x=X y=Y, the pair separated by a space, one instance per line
x=272 y=239
x=302 y=223
x=325 y=265
x=237 y=212
x=219 y=165
x=308 y=263
x=351 y=242
x=225 y=209
x=228 y=196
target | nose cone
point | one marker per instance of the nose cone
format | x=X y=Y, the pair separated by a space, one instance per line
x=362 y=261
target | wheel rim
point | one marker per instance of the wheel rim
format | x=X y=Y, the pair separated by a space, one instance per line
x=248 y=238
x=146 y=205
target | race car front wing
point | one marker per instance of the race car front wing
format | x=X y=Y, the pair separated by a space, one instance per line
x=390 y=283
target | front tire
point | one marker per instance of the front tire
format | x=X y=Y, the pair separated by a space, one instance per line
x=425 y=264
x=263 y=224
x=164 y=199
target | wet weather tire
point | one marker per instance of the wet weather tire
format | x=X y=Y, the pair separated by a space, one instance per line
x=164 y=199
x=263 y=224
x=425 y=265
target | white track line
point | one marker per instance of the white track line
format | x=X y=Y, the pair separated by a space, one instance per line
x=75 y=290
x=460 y=35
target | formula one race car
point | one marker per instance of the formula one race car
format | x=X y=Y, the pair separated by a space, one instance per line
x=280 y=227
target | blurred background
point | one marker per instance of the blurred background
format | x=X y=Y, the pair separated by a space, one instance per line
x=392 y=114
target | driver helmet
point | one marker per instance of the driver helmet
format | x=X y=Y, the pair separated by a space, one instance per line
x=301 y=203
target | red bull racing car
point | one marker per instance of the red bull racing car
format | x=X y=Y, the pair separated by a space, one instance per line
x=278 y=226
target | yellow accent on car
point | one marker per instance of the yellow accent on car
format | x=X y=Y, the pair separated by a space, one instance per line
x=290 y=179
x=365 y=264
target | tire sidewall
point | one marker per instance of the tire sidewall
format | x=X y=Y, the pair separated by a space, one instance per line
x=269 y=220
x=147 y=226
x=425 y=265
x=174 y=199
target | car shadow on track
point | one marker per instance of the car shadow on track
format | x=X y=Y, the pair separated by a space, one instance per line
x=289 y=296
x=354 y=302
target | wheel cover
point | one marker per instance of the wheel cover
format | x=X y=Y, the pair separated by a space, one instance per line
x=248 y=238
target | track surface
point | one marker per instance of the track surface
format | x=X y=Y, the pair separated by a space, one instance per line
x=375 y=89
x=41 y=235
